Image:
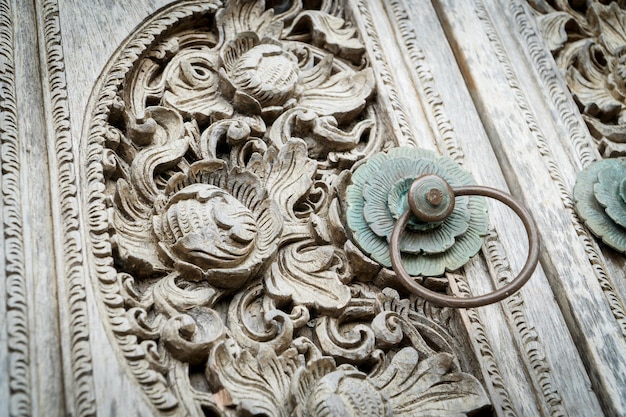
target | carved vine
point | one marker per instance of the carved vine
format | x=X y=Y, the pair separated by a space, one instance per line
x=218 y=156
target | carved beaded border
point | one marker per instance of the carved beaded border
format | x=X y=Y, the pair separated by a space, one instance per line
x=582 y=143
x=493 y=252
x=72 y=256
x=158 y=392
x=15 y=286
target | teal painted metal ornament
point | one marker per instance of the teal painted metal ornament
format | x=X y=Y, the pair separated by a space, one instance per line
x=600 y=197
x=450 y=229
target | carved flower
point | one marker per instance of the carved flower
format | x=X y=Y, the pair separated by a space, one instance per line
x=345 y=392
x=260 y=74
x=216 y=224
x=406 y=385
x=263 y=77
x=600 y=196
x=378 y=196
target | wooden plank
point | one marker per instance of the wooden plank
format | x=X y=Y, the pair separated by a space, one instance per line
x=537 y=169
x=534 y=347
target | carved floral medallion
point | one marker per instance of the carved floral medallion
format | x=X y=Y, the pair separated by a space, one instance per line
x=217 y=159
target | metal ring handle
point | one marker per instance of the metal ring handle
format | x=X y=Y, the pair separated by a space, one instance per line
x=480 y=300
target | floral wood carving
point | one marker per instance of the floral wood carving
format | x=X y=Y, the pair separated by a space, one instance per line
x=588 y=41
x=220 y=149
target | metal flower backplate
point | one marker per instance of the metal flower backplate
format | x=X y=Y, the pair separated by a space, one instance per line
x=600 y=196
x=379 y=195
x=220 y=143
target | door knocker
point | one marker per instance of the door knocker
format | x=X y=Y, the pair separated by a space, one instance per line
x=422 y=215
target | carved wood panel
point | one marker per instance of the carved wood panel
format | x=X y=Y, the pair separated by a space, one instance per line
x=178 y=180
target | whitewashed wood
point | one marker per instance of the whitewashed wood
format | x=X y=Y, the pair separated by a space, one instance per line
x=104 y=25
x=565 y=386
x=45 y=366
x=467 y=135
x=597 y=335
x=470 y=132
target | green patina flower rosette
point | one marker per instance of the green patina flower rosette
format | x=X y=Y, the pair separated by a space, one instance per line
x=378 y=196
x=600 y=197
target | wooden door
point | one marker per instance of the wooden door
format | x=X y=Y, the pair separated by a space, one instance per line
x=197 y=198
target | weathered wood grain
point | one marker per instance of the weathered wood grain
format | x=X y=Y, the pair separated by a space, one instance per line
x=471 y=80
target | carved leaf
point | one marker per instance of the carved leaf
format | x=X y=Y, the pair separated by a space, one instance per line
x=328 y=137
x=611 y=24
x=553 y=28
x=331 y=33
x=352 y=341
x=429 y=387
x=343 y=95
x=151 y=159
x=587 y=85
x=247 y=16
x=193 y=86
x=254 y=320
x=288 y=175
x=258 y=385
x=309 y=275
x=190 y=337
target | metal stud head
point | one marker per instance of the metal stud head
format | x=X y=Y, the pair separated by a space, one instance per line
x=431 y=198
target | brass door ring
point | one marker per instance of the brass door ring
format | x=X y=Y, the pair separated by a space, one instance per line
x=480 y=300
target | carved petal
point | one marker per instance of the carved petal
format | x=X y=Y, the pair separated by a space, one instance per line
x=343 y=95
x=434 y=264
x=308 y=275
x=346 y=392
x=234 y=49
x=609 y=192
x=429 y=387
x=288 y=175
x=248 y=16
x=304 y=381
x=590 y=210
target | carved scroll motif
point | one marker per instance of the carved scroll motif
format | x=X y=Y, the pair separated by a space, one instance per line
x=218 y=156
x=588 y=41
